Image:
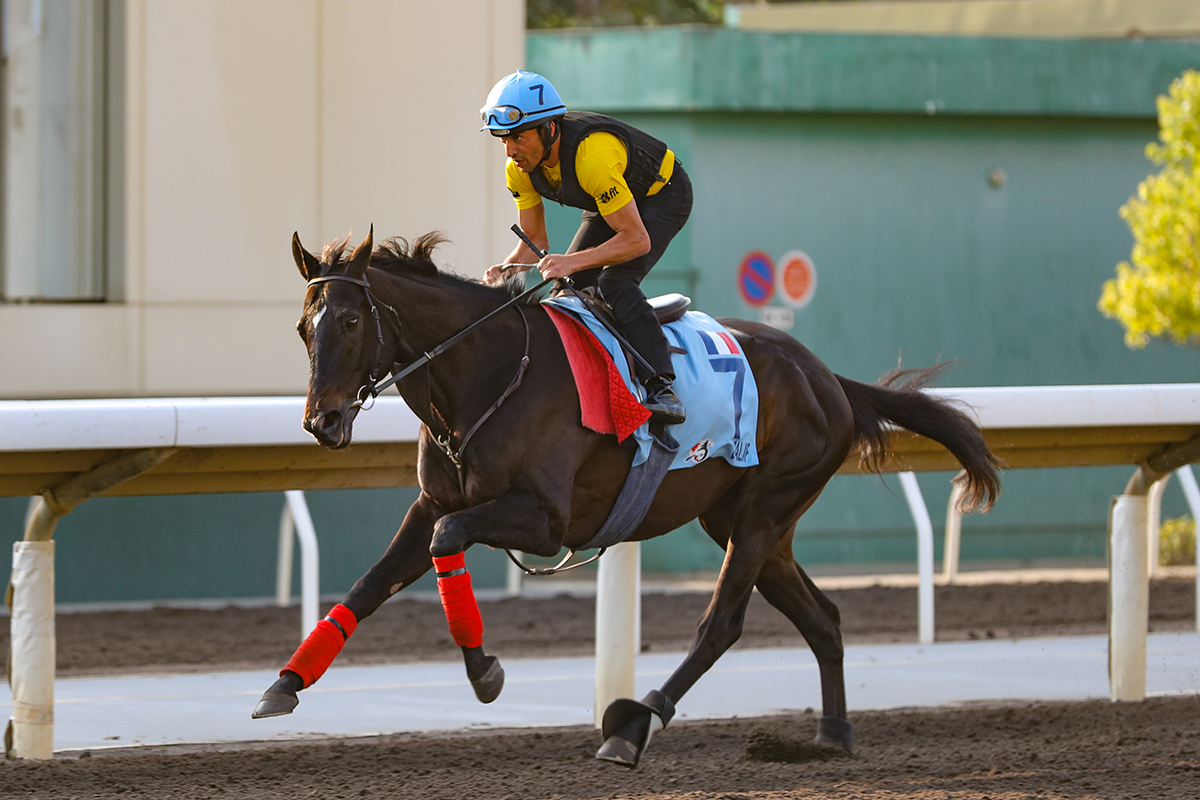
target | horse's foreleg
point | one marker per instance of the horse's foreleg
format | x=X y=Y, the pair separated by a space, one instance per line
x=466 y=625
x=406 y=560
x=308 y=663
x=785 y=586
x=516 y=520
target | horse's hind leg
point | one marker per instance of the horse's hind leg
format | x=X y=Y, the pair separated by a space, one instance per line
x=406 y=560
x=752 y=530
x=749 y=527
x=748 y=543
x=627 y=725
x=784 y=585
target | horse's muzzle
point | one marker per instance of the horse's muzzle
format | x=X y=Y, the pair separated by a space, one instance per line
x=332 y=428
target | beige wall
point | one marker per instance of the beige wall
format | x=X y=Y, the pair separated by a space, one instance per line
x=247 y=120
x=1051 y=18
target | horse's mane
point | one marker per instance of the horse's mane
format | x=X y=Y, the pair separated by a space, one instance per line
x=398 y=256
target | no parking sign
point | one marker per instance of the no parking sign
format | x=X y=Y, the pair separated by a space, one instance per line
x=756 y=278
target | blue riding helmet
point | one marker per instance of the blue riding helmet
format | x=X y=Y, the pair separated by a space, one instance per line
x=519 y=102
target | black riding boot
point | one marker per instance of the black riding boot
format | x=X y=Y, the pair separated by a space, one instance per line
x=662 y=402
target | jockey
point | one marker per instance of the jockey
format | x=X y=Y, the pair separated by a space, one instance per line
x=634 y=194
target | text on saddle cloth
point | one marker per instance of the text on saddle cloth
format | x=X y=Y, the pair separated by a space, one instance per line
x=713 y=378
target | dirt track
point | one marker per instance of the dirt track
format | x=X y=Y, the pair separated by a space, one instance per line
x=1056 y=750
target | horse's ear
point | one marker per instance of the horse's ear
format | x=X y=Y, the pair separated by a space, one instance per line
x=361 y=256
x=306 y=262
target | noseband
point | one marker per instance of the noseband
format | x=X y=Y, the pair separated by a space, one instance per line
x=382 y=364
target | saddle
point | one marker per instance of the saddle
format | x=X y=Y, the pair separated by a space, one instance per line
x=670 y=307
x=667 y=309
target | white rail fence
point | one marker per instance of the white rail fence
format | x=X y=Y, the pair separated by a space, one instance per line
x=64 y=452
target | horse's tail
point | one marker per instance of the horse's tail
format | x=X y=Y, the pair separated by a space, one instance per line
x=897 y=398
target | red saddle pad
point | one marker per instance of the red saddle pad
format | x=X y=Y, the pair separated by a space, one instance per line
x=607 y=404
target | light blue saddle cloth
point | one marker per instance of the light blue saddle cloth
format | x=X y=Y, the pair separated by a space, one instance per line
x=713 y=379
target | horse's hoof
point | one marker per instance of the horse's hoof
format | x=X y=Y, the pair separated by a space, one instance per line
x=836 y=732
x=281 y=698
x=488 y=687
x=628 y=726
x=619 y=751
x=275 y=704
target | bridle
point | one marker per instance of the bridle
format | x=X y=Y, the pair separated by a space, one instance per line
x=371 y=389
x=375 y=385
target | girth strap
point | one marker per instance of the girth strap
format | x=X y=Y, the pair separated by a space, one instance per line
x=638 y=492
x=641 y=485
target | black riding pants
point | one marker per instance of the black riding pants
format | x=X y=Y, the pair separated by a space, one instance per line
x=663 y=214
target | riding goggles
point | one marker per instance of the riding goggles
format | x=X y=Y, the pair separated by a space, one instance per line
x=502 y=116
x=505 y=117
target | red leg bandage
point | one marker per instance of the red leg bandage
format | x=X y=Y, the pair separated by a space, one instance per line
x=322 y=646
x=458 y=600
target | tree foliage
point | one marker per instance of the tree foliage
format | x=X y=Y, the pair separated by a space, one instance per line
x=1156 y=294
x=1177 y=542
x=607 y=13
x=612 y=13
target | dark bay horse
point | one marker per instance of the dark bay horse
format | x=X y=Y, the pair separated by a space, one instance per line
x=533 y=479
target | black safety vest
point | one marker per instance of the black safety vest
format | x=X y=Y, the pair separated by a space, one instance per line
x=641 y=172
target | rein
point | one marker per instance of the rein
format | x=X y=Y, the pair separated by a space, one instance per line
x=453 y=340
x=455 y=456
x=375 y=385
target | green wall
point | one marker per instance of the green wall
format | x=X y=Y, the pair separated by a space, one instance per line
x=917 y=254
x=690 y=69
x=872 y=154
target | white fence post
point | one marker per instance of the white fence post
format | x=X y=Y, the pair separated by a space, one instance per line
x=1154 y=498
x=920 y=515
x=1128 y=597
x=283 y=564
x=513 y=579
x=618 y=623
x=295 y=517
x=1188 y=481
x=33 y=650
x=953 y=539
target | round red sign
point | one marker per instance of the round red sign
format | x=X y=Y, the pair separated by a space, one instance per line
x=797 y=278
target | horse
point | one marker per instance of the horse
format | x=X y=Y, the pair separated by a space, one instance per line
x=504 y=461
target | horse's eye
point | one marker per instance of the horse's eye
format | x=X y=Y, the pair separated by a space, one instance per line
x=351 y=322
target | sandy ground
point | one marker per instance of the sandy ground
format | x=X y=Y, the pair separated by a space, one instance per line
x=1042 y=750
